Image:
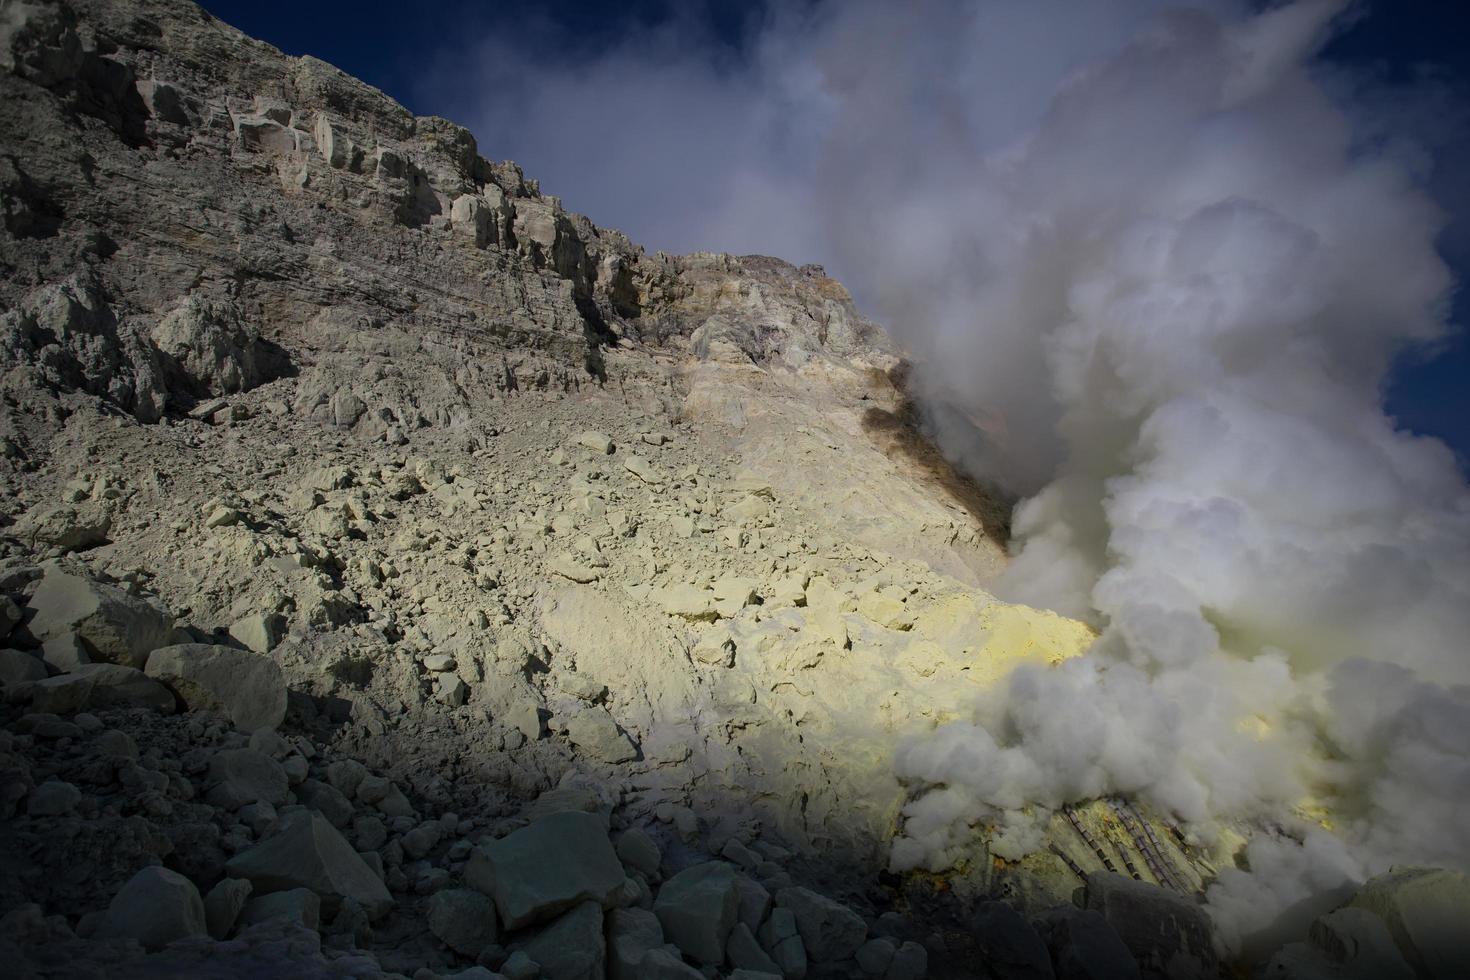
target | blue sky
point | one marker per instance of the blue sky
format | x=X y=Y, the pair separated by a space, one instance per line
x=419 y=55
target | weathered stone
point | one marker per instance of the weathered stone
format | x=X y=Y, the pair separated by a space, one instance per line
x=259 y=632
x=53 y=798
x=688 y=602
x=65 y=652
x=223 y=904
x=116 y=686
x=1167 y=934
x=545 y=868
x=572 y=947
x=61 y=695
x=155 y=907
x=1083 y=946
x=10 y=616
x=911 y=962
x=462 y=919
x=661 y=964
x=247 y=688
x=1427 y=911
x=244 y=776
x=743 y=952
x=299 y=905
x=631 y=933
x=755 y=901
x=595 y=733
x=116 y=627
x=780 y=938
x=697 y=908
x=19 y=667
x=308 y=852
x=595 y=441
x=638 y=852
x=327 y=800
x=1358 y=943
x=65 y=528
x=829 y=930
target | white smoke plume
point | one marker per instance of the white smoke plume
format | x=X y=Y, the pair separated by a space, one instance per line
x=1153 y=274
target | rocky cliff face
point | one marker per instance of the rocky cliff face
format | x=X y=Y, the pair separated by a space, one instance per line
x=367 y=516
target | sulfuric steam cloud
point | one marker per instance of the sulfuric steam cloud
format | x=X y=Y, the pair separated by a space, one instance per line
x=1153 y=276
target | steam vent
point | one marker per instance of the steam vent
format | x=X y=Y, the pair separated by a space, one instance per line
x=402 y=575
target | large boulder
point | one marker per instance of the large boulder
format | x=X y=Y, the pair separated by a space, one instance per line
x=116 y=686
x=829 y=930
x=462 y=919
x=246 y=687
x=630 y=934
x=244 y=776
x=155 y=907
x=209 y=344
x=115 y=627
x=1083 y=946
x=1427 y=911
x=697 y=908
x=546 y=868
x=572 y=947
x=19 y=667
x=1008 y=945
x=1169 y=935
x=308 y=852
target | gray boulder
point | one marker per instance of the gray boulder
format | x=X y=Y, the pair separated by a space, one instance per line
x=65 y=652
x=116 y=627
x=829 y=930
x=572 y=947
x=1083 y=946
x=697 y=908
x=19 y=667
x=664 y=964
x=541 y=870
x=910 y=962
x=630 y=934
x=155 y=907
x=298 y=905
x=1169 y=935
x=595 y=733
x=639 y=852
x=462 y=919
x=1009 y=947
x=745 y=953
x=246 y=687
x=325 y=799
x=780 y=938
x=1427 y=911
x=62 y=695
x=308 y=852
x=53 y=798
x=245 y=776
x=116 y=686
x=223 y=904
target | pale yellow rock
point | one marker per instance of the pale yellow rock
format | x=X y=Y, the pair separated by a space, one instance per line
x=595 y=441
x=749 y=508
x=642 y=469
x=885 y=610
x=733 y=594
x=568 y=567
x=788 y=591
x=688 y=602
